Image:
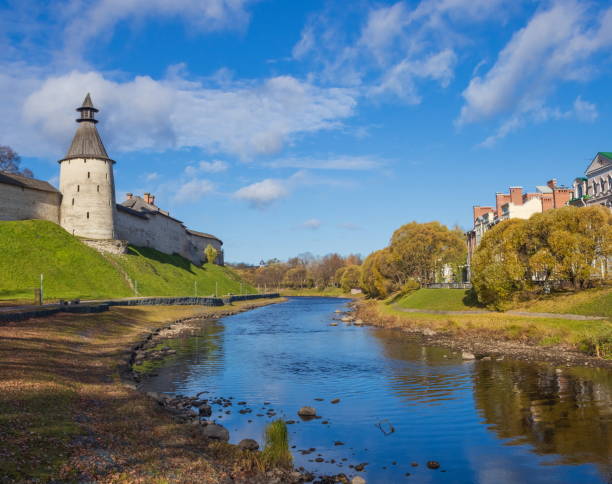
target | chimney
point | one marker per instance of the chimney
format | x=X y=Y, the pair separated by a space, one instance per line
x=500 y=200
x=152 y=199
x=516 y=195
x=129 y=195
x=147 y=197
x=552 y=183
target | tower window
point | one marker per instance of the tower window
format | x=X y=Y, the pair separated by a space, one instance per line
x=88 y=174
x=88 y=215
x=98 y=187
x=78 y=188
x=73 y=201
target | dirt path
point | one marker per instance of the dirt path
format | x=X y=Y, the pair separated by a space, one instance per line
x=576 y=317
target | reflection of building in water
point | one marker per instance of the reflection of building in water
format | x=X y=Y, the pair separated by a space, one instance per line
x=560 y=412
x=427 y=375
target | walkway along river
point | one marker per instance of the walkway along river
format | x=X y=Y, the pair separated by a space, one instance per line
x=400 y=404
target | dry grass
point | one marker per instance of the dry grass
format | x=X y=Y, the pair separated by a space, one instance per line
x=64 y=413
x=593 y=337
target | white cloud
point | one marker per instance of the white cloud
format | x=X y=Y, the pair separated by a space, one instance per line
x=585 y=111
x=243 y=119
x=263 y=193
x=151 y=176
x=356 y=163
x=193 y=190
x=311 y=224
x=214 y=166
x=581 y=110
x=554 y=46
x=89 y=20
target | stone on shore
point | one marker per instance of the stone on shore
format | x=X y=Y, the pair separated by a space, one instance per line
x=248 y=444
x=358 y=480
x=205 y=410
x=215 y=432
x=307 y=412
x=466 y=355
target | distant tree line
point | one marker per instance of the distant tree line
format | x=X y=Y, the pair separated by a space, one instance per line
x=10 y=162
x=304 y=271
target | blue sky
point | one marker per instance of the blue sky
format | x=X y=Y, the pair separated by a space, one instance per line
x=284 y=127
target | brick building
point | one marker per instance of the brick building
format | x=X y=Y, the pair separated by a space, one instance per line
x=514 y=204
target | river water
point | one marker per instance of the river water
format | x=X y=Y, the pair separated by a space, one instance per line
x=401 y=403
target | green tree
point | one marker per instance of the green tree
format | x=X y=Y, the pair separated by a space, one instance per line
x=351 y=278
x=211 y=254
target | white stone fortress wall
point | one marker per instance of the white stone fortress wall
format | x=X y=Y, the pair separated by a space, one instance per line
x=88 y=203
x=22 y=203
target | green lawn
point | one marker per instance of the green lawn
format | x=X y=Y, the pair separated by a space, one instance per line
x=437 y=299
x=592 y=302
x=73 y=270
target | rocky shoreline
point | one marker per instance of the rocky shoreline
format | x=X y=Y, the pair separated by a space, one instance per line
x=195 y=411
x=480 y=344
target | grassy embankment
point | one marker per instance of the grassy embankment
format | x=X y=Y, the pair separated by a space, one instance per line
x=73 y=270
x=590 y=336
x=64 y=414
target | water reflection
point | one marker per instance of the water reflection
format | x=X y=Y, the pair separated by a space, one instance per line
x=562 y=412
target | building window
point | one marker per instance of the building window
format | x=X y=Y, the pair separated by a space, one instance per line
x=87 y=215
x=78 y=188
x=88 y=174
x=98 y=187
x=73 y=201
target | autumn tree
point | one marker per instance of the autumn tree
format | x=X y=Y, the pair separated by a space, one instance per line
x=351 y=278
x=10 y=161
x=211 y=254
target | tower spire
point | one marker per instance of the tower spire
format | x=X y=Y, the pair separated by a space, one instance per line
x=87 y=111
x=86 y=142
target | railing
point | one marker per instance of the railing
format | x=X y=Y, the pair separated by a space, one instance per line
x=449 y=285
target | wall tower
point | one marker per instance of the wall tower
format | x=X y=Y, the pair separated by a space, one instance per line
x=86 y=181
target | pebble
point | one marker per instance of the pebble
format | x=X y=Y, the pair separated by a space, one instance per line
x=432 y=464
x=335 y=400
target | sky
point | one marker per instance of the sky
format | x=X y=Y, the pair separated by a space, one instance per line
x=315 y=126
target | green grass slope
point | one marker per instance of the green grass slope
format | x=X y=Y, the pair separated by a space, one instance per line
x=592 y=302
x=438 y=299
x=154 y=273
x=73 y=270
x=29 y=248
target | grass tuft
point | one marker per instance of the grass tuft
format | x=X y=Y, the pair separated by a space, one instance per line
x=276 y=453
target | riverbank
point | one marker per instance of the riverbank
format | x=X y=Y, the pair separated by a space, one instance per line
x=66 y=415
x=498 y=335
x=315 y=292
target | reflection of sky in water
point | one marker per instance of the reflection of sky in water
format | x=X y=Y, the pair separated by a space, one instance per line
x=486 y=422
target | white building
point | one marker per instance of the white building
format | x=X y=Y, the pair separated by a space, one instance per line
x=595 y=188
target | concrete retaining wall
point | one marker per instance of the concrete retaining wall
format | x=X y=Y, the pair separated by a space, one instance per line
x=101 y=306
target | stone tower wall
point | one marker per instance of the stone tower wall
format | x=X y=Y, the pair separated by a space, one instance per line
x=21 y=203
x=88 y=203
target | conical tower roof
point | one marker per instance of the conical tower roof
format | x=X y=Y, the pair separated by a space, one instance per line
x=87 y=142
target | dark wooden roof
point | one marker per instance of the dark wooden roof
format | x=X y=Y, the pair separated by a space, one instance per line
x=87 y=142
x=202 y=234
x=25 y=182
x=135 y=213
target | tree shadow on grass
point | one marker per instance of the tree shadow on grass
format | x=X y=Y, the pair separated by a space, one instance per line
x=155 y=255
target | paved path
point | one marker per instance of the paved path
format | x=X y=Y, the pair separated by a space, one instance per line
x=577 y=317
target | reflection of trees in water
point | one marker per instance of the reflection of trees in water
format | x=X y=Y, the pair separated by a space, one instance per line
x=567 y=412
x=196 y=349
x=429 y=377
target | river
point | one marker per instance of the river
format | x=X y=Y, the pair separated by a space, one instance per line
x=401 y=404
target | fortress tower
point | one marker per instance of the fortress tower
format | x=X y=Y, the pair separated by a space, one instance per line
x=86 y=181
